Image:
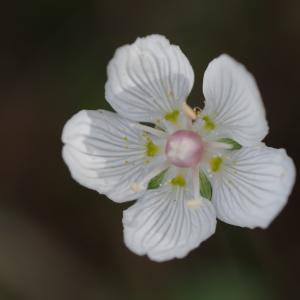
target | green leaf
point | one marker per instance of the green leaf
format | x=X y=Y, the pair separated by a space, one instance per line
x=235 y=145
x=205 y=186
x=155 y=182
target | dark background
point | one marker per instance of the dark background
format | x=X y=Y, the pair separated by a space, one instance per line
x=59 y=240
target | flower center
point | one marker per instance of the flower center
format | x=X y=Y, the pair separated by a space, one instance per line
x=184 y=148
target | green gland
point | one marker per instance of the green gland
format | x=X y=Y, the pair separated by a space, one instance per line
x=151 y=148
x=172 y=116
x=178 y=181
x=208 y=123
x=216 y=163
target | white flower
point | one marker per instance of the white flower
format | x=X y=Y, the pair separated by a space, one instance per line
x=188 y=168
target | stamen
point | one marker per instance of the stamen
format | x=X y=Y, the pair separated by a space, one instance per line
x=148 y=129
x=196 y=182
x=189 y=111
x=220 y=145
x=139 y=186
x=197 y=200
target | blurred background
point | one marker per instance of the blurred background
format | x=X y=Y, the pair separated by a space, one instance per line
x=59 y=240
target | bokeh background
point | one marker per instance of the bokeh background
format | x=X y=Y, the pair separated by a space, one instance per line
x=59 y=240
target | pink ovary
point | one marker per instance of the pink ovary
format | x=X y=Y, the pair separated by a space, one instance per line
x=184 y=148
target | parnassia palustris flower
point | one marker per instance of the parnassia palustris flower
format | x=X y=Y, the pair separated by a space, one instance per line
x=185 y=167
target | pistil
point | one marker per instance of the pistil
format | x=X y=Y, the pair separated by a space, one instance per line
x=184 y=148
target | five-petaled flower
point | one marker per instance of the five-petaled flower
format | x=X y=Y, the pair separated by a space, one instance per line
x=186 y=167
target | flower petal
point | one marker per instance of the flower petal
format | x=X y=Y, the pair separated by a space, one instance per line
x=253 y=186
x=148 y=79
x=162 y=226
x=104 y=151
x=233 y=102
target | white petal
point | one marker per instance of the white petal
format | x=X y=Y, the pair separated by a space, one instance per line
x=233 y=101
x=148 y=79
x=161 y=224
x=106 y=153
x=253 y=186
